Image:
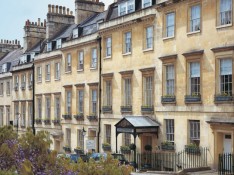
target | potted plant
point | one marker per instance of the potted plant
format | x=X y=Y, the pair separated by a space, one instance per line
x=67 y=148
x=106 y=147
x=67 y=116
x=79 y=150
x=47 y=121
x=223 y=97
x=167 y=145
x=132 y=146
x=125 y=149
x=126 y=109
x=56 y=121
x=192 y=148
x=92 y=117
x=148 y=148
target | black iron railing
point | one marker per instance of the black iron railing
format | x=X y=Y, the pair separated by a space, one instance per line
x=171 y=161
x=226 y=164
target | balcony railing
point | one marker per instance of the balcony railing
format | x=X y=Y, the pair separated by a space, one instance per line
x=92 y=117
x=38 y=121
x=47 y=121
x=168 y=99
x=67 y=116
x=79 y=117
x=192 y=98
x=126 y=109
x=56 y=122
x=107 y=109
x=147 y=109
x=222 y=98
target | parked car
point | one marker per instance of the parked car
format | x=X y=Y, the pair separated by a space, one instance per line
x=121 y=158
x=97 y=156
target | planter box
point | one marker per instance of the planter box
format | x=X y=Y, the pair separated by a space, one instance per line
x=147 y=109
x=38 y=121
x=79 y=151
x=126 y=151
x=168 y=147
x=92 y=117
x=126 y=109
x=56 y=122
x=16 y=88
x=107 y=109
x=29 y=87
x=79 y=117
x=67 y=149
x=67 y=116
x=106 y=148
x=167 y=99
x=222 y=98
x=190 y=150
x=47 y=121
x=192 y=99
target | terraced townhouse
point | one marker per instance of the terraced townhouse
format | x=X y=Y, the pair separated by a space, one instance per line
x=143 y=71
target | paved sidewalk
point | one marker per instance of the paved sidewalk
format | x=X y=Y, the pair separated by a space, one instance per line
x=210 y=172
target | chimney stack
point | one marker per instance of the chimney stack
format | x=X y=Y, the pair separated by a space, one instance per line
x=64 y=10
x=56 y=9
x=52 y=8
x=49 y=8
x=85 y=9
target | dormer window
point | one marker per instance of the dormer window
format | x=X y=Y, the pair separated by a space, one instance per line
x=75 y=33
x=58 y=43
x=49 y=47
x=23 y=59
x=126 y=7
x=4 y=68
x=146 y=3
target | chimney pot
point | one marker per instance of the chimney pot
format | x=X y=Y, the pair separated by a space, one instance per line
x=35 y=23
x=60 y=9
x=56 y=9
x=41 y=24
x=15 y=41
x=71 y=13
x=44 y=23
x=49 y=8
x=4 y=41
x=18 y=42
x=68 y=11
x=39 y=21
x=64 y=10
x=52 y=8
x=1 y=40
x=7 y=41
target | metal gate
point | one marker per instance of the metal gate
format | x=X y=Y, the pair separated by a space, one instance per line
x=226 y=164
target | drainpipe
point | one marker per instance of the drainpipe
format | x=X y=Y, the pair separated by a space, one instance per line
x=99 y=39
x=33 y=105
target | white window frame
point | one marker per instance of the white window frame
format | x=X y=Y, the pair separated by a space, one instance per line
x=48 y=71
x=39 y=108
x=68 y=63
x=57 y=71
x=195 y=78
x=94 y=58
x=225 y=14
x=170 y=79
x=126 y=7
x=80 y=65
x=16 y=81
x=39 y=74
x=49 y=47
x=75 y=33
x=170 y=129
x=23 y=81
x=170 y=27
x=146 y=3
x=57 y=107
x=149 y=34
x=194 y=131
x=58 y=43
x=148 y=88
x=68 y=102
x=128 y=42
x=108 y=46
x=48 y=107
x=225 y=73
x=108 y=93
x=195 y=18
x=8 y=88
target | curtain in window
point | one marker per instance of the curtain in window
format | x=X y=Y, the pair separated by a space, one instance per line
x=226 y=67
x=225 y=5
x=194 y=69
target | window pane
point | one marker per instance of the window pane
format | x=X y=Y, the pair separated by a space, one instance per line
x=170 y=21
x=195 y=18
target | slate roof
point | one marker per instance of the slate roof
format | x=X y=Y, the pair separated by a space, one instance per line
x=12 y=57
x=65 y=32
x=35 y=48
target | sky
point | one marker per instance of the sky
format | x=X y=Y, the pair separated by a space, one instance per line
x=14 y=13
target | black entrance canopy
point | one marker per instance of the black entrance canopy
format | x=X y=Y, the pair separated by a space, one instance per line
x=136 y=125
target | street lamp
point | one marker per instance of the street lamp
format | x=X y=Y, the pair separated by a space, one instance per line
x=84 y=133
